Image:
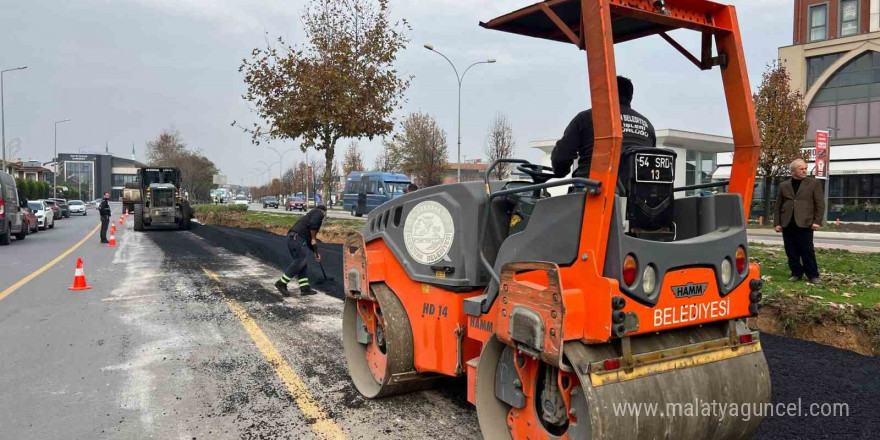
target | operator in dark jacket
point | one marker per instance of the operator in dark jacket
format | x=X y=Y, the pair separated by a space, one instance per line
x=303 y=235
x=577 y=140
x=104 y=211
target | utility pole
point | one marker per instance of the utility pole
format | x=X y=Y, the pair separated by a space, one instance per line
x=55 y=160
x=3 y=116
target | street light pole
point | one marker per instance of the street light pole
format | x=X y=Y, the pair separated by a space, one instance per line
x=55 y=159
x=280 y=160
x=460 y=78
x=3 y=116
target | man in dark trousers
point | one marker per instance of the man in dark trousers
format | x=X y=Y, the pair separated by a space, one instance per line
x=577 y=140
x=104 y=211
x=800 y=210
x=301 y=237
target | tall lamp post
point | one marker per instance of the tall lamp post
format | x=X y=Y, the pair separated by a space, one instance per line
x=55 y=159
x=268 y=173
x=460 y=78
x=3 y=116
x=280 y=159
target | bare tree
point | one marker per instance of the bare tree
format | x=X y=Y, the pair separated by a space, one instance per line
x=422 y=149
x=387 y=161
x=500 y=145
x=352 y=160
x=196 y=170
x=342 y=84
x=782 y=123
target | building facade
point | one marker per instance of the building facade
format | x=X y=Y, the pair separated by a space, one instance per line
x=470 y=171
x=835 y=62
x=29 y=170
x=99 y=173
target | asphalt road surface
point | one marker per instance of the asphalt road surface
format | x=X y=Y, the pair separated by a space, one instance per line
x=184 y=338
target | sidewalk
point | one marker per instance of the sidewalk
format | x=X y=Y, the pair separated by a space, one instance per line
x=819 y=234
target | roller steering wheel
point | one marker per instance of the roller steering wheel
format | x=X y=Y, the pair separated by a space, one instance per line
x=538 y=173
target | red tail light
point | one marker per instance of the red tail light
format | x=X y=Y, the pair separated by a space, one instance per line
x=745 y=339
x=2 y=209
x=630 y=269
x=740 y=259
x=611 y=364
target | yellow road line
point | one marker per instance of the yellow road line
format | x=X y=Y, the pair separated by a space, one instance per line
x=324 y=426
x=48 y=266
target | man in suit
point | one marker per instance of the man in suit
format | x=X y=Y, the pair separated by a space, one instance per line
x=800 y=210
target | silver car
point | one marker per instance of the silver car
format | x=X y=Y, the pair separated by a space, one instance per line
x=45 y=216
x=77 y=207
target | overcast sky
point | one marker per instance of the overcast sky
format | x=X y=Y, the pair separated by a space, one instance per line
x=123 y=70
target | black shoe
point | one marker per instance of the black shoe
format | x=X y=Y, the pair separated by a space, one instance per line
x=815 y=280
x=282 y=288
x=793 y=279
x=306 y=290
x=104 y=242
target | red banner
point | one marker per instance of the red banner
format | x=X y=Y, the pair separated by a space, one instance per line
x=821 y=154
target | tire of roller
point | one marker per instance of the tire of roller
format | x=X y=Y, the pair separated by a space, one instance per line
x=399 y=348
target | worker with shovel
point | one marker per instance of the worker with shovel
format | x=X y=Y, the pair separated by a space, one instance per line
x=303 y=235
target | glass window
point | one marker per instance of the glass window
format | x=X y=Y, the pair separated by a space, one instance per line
x=836 y=186
x=847 y=102
x=707 y=167
x=849 y=17
x=818 y=22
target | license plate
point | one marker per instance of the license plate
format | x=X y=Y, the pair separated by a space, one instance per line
x=654 y=168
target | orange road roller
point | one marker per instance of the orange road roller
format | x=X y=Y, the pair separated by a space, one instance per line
x=615 y=311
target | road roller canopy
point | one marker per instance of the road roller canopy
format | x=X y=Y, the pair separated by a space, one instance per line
x=561 y=20
x=595 y=26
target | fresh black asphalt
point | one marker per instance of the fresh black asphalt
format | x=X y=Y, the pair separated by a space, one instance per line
x=801 y=372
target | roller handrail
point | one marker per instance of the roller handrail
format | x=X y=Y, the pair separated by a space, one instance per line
x=594 y=187
x=495 y=164
x=702 y=185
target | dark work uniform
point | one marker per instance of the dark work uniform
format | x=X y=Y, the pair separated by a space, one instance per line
x=577 y=140
x=299 y=238
x=798 y=243
x=104 y=211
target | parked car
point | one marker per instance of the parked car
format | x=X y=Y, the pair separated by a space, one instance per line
x=295 y=203
x=62 y=204
x=270 y=201
x=364 y=191
x=77 y=207
x=45 y=215
x=11 y=218
x=240 y=200
x=30 y=219
x=56 y=211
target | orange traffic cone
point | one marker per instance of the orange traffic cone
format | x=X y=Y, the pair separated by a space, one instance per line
x=79 y=277
x=112 y=237
x=121 y=219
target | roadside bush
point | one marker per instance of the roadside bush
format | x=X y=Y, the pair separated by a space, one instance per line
x=41 y=190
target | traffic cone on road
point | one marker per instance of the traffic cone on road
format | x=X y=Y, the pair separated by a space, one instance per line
x=79 y=277
x=112 y=237
x=121 y=219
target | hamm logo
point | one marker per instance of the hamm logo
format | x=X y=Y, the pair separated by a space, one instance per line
x=689 y=290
